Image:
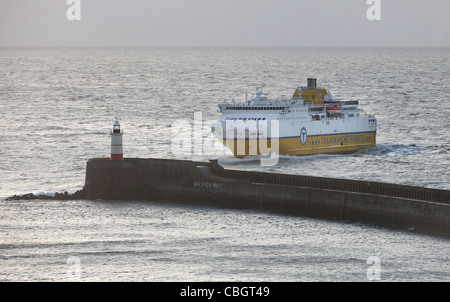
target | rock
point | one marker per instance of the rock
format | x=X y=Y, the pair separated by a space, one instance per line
x=80 y=194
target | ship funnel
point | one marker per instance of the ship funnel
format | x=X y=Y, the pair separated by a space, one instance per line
x=311 y=83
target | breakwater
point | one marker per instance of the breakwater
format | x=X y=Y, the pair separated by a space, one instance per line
x=391 y=205
x=207 y=183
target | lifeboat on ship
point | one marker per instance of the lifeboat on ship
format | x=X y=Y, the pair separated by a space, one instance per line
x=334 y=110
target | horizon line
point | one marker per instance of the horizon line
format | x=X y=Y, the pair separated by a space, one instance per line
x=221 y=46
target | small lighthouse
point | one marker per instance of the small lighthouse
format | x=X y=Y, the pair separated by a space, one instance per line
x=116 y=142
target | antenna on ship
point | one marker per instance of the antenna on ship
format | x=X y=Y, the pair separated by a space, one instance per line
x=259 y=90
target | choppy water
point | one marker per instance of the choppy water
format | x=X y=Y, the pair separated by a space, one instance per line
x=57 y=107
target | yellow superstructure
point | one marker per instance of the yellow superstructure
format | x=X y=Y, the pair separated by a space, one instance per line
x=310 y=93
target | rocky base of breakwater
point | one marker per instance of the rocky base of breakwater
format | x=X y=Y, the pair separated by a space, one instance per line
x=80 y=194
x=100 y=191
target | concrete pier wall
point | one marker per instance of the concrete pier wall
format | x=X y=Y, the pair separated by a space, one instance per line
x=368 y=187
x=390 y=205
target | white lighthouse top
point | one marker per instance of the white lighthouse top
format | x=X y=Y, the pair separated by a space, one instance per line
x=116 y=127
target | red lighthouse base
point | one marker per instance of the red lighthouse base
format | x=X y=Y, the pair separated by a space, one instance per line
x=116 y=156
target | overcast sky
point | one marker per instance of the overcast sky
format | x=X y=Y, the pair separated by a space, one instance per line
x=225 y=23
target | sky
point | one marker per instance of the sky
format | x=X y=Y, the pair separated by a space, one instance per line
x=225 y=23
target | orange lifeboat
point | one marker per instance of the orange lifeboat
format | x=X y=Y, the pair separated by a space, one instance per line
x=334 y=110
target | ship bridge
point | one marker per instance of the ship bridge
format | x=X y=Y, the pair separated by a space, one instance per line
x=260 y=102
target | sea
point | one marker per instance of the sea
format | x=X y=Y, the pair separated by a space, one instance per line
x=57 y=108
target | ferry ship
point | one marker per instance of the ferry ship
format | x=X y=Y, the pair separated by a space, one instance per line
x=310 y=122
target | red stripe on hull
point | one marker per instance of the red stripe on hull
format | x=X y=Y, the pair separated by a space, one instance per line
x=116 y=156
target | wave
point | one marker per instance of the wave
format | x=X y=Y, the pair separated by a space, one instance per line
x=402 y=150
x=379 y=150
